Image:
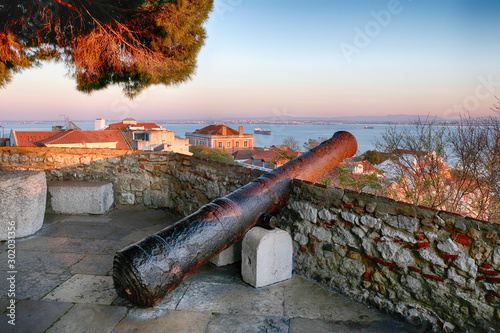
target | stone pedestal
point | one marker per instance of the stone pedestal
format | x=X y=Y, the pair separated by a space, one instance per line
x=80 y=197
x=23 y=196
x=229 y=256
x=266 y=256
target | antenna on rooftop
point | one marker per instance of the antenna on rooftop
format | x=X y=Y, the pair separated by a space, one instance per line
x=66 y=118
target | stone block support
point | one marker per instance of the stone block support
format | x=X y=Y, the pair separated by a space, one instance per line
x=266 y=256
x=68 y=197
x=229 y=256
x=22 y=203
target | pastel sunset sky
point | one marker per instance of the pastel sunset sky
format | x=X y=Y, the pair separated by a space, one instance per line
x=323 y=58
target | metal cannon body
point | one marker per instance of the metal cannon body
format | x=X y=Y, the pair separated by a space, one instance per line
x=145 y=272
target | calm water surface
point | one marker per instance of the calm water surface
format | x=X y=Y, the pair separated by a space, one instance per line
x=366 y=137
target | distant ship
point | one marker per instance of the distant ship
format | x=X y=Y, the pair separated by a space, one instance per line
x=369 y=127
x=261 y=131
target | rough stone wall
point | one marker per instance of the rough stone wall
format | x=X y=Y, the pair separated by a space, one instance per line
x=434 y=268
x=35 y=158
x=156 y=179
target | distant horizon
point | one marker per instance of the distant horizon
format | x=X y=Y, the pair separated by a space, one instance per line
x=395 y=118
x=279 y=59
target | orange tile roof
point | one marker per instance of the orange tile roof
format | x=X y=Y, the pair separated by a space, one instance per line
x=40 y=139
x=217 y=130
x=123 y=126
x=30 y=138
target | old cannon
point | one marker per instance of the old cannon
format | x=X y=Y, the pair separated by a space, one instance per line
x=146 y=271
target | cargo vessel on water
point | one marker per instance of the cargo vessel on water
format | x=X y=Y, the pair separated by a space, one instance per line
x=261 y=131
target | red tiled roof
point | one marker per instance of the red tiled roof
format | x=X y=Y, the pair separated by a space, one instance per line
x=123 y=126
x=274 y=153
x=217 y=130
x=40 y=139
x=30 y=138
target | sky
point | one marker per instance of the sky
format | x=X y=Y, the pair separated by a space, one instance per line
x=317 y=58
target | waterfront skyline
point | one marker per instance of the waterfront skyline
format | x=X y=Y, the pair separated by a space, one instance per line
x=320 y=59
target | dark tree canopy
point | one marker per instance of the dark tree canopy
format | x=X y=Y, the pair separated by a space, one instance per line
x=134 y=43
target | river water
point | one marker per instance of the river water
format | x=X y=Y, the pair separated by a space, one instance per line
x=366 y=137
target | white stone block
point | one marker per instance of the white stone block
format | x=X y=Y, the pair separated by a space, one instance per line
x=70 y=197
x=229 y=256
x=266 y=256
x=23 y=195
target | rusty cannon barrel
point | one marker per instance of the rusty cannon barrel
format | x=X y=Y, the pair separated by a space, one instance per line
x=145 y=272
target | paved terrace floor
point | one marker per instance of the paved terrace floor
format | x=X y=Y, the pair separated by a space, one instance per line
x=64 y=284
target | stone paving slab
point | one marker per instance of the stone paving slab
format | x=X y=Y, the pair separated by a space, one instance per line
x=303 y=325
x=34 y=316
x=32 y=284
x=306 y=299
x=99 y=231
x=37 y=243
x=94 y=264
x=89 y=318
x=232 y=299
x=244 y=324
x=80 y=288
x=49 y=262
x=171 y=301
x=93 y=246
x=159 y=321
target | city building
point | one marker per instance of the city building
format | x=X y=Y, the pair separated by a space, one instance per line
x=222 y=137
x=147 y=136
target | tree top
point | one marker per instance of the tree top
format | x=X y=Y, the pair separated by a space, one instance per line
x=133 y=43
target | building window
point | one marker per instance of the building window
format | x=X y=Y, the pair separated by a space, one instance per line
x=237 y=144
x=228 y=145
x=220 y=145
x=245 y=143
x=141 y=136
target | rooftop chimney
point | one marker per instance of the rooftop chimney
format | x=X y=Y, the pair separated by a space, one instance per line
x=224 y=130
x=99 y=124
x=240 y=130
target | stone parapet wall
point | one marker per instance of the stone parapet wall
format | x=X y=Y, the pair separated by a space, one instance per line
x=38 y=158
x=155 y=179
x=434 y=268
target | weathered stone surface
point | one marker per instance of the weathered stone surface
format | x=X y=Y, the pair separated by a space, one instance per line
x=22 y=203
x=229 y=256
x=322 y=234
x=80 y=197
x=467 y=265
x=242 y=324
x=349 y=217
x=266 y=256
x=34 y=316
x=449 y=246
x=342 y=236
x=155 y=320
x=81 y=288
x=370 y=221
x=127 y=198
x=326 y=215
x=89 y=318
x=232 y=299
x=352 y=267
x=306 y=211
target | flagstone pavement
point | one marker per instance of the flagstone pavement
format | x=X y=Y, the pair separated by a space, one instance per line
x=63 y=283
